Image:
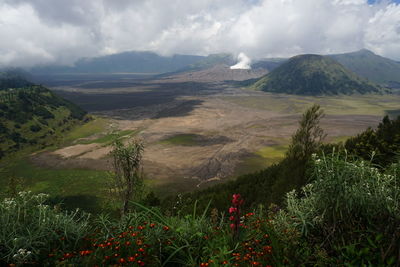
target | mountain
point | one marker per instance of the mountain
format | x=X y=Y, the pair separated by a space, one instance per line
x=371 y=66
x=126 y=62
x=210 y=61
x=314 y=75
x=31 y=115
x=217 y=73
x=269 y=63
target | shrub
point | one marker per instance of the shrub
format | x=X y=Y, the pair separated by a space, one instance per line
x=30 y=230
x=349 y=205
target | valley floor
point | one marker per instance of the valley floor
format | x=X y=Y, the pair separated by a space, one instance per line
x=197 y=134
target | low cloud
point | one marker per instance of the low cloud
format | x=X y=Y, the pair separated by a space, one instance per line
x=61 y=31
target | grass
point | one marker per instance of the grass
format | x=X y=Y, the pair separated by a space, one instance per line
x=75 y=187
x=181 y=140
x=109 y=138
x=261 y=159
x=378 y=105
x=97 y=125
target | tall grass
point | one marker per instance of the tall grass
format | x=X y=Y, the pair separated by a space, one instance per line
x=30 y=229
x=350 y=209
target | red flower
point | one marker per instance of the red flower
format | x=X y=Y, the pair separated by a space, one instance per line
x=131 y=259
x=232 y=210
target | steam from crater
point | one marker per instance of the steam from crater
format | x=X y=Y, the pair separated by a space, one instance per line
x=243 y=62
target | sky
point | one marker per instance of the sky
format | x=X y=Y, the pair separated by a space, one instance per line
x=43 y=32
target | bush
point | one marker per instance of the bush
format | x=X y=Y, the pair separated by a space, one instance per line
x=31 y=230
x=35 y=128
x=349 y=207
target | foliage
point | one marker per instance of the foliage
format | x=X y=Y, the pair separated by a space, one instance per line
x=382 y=145
x=127 y=178
x=30 y=229
x=308 y=138
x=146 y=237
x=350 y=209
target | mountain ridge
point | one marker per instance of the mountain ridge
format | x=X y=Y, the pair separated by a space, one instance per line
x=312 y=74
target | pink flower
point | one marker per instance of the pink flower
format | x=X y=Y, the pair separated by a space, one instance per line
x=232 y=226
x=231 y=218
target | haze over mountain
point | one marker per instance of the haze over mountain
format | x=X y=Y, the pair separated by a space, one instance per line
x=375 y=68
x=132 y=62
x=314 y=75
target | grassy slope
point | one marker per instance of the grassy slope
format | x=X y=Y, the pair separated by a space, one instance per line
x=313 y=75
x=373 y=67
x=33 y=116
x=74 y=187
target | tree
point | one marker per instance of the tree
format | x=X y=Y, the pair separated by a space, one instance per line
x=127 y=178
x=308 y=138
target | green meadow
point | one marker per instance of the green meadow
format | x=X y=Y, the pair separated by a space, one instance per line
x=379 y=105
x=82 y=188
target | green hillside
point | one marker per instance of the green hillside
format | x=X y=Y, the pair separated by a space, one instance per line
x=314 y=75
x=31 y=115
x=371 y=66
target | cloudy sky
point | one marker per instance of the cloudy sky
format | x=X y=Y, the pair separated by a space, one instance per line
x=61 y=31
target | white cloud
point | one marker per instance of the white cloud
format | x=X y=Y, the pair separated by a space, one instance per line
x=45 y=31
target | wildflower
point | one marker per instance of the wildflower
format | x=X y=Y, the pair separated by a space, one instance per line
x=131 y=259
x=232 y=210
x=165 y=228
x=235 y=213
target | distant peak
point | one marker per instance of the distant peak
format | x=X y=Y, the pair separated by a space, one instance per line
x=365 y=51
